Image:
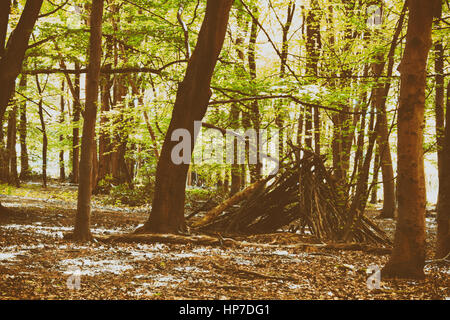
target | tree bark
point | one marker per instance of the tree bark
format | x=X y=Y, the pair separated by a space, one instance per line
x=11 y=60
x=252 y=115
x=44 y=134
x=13 y=177
x=5 y=9
x=24 y=165
x=408 y=256
x=443 y=209
x=384 y=150
x=313 y=45
x=62 y=172
x=82 y=220
x=439 y=103
x=76 y=123
x=104 y=146
x=193 y=94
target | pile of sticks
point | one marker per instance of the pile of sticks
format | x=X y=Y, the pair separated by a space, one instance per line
x=306 y=192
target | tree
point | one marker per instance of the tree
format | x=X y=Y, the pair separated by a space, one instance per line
x=443 y=208
x=12 y=55
x=167 y=215
x=82 y=219
x=408 y=256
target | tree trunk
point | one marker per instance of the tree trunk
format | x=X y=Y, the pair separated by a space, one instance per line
x=313 y=53
x=384 y=149
x=24 y=165
x=13 y=177
x=12 y=57
x=82 y=220
x=408 y=256
x=62 y=172
x=193 y=94
x=439 y=103
x=443 y=209
x=252 y=115
x=44 y=134
x=76 y=128
x=104 y=146
x=376 y=161
x=5 y=9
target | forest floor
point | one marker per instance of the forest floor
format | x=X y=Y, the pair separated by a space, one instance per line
x=36 y=262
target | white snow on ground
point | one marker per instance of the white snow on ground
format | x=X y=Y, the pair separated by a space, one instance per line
x=56 y=232
x=7 y=256
x=91 y=267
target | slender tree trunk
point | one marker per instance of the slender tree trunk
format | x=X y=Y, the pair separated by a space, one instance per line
x=384 y=149
x=24 y=166
x=76 y=129
x=44 y=144
x=313 y=45
x=389 y=197
x=104 y=146
x=44 y=134
x=439 y=103
x=443 y=209
x=408 y=256
x=3 y=158
x=253 y=116
x=193 y=94
x=82 y=220
x=235 y=167
x=13 y=177
x=62 y=172
x=279 y=107
x=376 y=161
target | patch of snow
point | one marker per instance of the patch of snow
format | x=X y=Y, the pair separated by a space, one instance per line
x=243 y=261
x=190 y=269
x=281 y=253
x=166 y=281
x=10 y=255
x=91 y=267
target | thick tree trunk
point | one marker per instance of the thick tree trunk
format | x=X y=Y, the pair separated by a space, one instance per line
x=82 y=219
x=12 y=58
x=408 y=256
x=5 y=9
x=443 y=209
x=193 y=94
